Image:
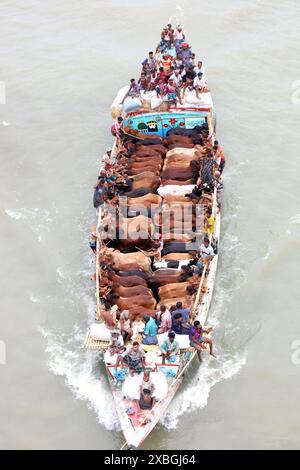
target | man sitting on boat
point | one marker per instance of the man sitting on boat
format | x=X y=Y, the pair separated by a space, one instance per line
x=115 y=348
x=198 y=341
x=151 y=62
x=146 y=400
x=206 y=253
x=134 y=358
x=164 y=319
x=179 y=326
x=169 y=348
x=125 y=325
x=150 y=331
x=147 y=383
x=184 y=312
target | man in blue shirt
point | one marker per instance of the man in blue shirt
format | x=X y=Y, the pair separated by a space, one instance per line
x=179 y=326
x=185 y=312
x=150 y=331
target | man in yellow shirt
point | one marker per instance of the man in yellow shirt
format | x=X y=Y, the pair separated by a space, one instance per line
x=209 y=222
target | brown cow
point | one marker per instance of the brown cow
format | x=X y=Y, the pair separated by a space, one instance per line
x=141 y=167
x=174 y=290
x=142 y=175
x=122 y=261
x=178 y=183
x=182 y=145
x=150 y=168
x=152 y=182
x=131 y=291
x=180 y=237
x=193 y=153
x=134 y=301
x=139 y=311
x=179 y=139
x=169 y=198
x=164 y=276
x=129 y=281
x=177 y=256
x=178 y=174
x=146 y=200
x=158 y=148
x=137 y=159
x=146 y=152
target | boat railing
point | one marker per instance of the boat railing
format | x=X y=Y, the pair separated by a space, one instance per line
x=99 y=245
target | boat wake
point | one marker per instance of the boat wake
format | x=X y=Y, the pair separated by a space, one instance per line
x=195 y=395
x=82 y=373
x=38 y=220
x=84 y=376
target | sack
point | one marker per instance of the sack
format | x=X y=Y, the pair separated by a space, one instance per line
x=100 y=332
x=155 y=102
x=131 y=104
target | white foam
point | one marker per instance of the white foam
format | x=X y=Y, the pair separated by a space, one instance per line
x=267 y=255
x=82 y=375
x=34 y=299
x=39 y=220
x=60 y=274
x=196 y=395
x=295 y=219
x=15 y=214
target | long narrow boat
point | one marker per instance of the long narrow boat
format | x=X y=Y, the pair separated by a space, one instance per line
x=137 y=423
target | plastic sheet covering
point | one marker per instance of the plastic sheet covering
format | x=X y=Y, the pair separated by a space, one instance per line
x=131 y=386
x=183 y=340
x=100 y=332
x=131 y=104
x=164 y=263
x=174 y=190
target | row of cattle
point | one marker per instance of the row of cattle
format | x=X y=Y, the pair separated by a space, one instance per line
x=128 y=279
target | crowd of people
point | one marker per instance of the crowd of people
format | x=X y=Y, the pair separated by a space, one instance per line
x=177 y=320
x=171 y=71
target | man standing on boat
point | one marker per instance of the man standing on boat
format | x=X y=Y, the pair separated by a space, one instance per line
x=151 y=63
x=219 y=155
x=179 y=36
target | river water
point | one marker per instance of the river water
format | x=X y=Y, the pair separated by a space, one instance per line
x=61 y=64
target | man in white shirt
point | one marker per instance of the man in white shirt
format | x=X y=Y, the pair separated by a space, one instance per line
x=200 y=84
x=107 y=157
x=200 y=68
x=206 y=250
x=176 y=77
x=179 y=36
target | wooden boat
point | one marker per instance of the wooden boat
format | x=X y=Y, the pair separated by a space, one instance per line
x=136 y=423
